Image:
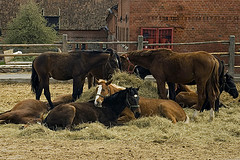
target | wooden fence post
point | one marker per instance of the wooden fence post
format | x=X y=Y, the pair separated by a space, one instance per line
x=231 y=50
x=64 y=43
x=140 y=42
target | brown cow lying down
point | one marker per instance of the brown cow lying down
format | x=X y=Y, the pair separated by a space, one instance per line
x=156 y=107
x=26 y=111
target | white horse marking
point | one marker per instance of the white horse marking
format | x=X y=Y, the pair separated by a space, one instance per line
x=97 y=96
x=211 y=115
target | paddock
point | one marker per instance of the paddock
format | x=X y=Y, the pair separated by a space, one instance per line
x=153 y=137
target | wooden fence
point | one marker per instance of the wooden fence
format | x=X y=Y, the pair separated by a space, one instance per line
x=140 y=45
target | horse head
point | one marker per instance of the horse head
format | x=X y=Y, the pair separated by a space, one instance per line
x=132 y=101
x=105 y=89
x=112 y=64
x=126 y=65
x=230 y=86
x=127 y=98
x=102 y=90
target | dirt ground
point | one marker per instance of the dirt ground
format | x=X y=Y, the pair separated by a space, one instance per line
x=92 y=149
x=47 y=147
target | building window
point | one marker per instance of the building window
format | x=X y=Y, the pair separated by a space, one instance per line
x=52 y=21
x=157 y=35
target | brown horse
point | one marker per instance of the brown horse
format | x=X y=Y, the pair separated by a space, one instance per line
x=148 y=106
x=187 y=99
x=25 y=112
x=185 y=96
x=65 y=66
x=62 y=99
x=126 y=65
x=168 y=66
x=67 y=115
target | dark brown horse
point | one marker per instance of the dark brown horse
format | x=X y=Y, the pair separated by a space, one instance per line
x=65 y=66
x=67 y=115
x=168 y=66
x=103 y=72
x=148 y=106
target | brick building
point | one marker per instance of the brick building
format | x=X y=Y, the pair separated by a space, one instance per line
x=164 y=21
x=177 y=21
x=82 y=20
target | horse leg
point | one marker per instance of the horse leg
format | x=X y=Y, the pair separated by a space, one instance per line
x=217 y=105
x=201 y=98
x=78 y=83
x=90 y=80
x=161 y=89
x=211 y=100
x=39 y=91
x=169 y=116
x=80 y=90
x=47 y=92
x=171 y=90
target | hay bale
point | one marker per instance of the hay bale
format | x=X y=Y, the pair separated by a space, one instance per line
x=147 y=88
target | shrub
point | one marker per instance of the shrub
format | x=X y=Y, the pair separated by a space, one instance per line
x=29 y=27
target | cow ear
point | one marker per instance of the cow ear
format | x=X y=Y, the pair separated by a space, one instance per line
x=137 y=88
x=109 y=82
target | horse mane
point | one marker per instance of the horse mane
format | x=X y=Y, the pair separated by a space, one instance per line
x=102 y=81
x=117 y=87
x=108 y=50
x=150 y=52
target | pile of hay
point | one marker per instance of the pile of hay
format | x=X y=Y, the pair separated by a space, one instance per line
x=147 y=88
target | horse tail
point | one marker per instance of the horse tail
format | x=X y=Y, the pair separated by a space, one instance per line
x=34 y=79
x=187 y=120
x=213 y=82
x=215 y=79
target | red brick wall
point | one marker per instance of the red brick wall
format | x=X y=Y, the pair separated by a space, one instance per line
x=191 y=20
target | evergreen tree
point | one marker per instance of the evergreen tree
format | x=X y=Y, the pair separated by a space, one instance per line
x=29 y=27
